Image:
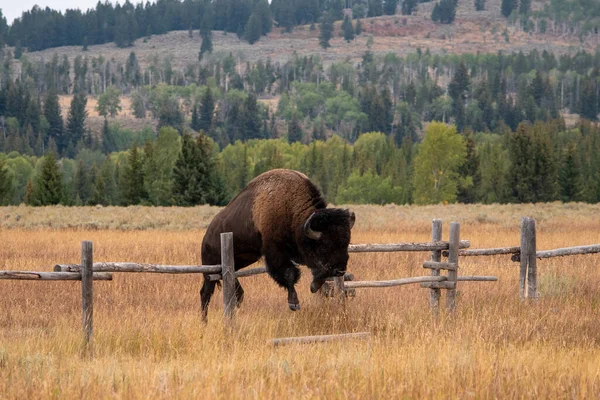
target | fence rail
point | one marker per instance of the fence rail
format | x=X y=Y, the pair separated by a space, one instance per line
x=51 y=276
x=135 y=267
x=392 y=247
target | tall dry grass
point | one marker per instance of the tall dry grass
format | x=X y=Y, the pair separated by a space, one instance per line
x=149 y=341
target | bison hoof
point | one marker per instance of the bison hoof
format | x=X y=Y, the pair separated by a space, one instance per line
x=294 y=307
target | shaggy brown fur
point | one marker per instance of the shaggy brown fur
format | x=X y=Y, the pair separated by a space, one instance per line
x=268 y=219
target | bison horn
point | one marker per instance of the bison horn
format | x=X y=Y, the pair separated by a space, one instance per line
x=308 y=230
x=352 y=219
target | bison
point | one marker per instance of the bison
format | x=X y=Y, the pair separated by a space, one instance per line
x=282 y=216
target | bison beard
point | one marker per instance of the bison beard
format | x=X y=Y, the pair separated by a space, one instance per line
x=282 y=216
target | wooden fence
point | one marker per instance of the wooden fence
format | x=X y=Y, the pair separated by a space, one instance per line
x=526 y=254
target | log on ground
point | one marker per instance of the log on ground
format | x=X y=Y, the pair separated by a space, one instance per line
x=318 y=339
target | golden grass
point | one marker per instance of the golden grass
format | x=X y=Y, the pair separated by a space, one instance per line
x=149 y=342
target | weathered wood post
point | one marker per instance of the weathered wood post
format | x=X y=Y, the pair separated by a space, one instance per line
x=436 y=255
x=87 y=294
x=453 y=258
x=532 y=288
x=228 y=274
x=524 y=256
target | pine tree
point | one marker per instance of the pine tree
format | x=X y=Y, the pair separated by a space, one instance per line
x=348 y=29
x=196 y=179
x=325 y=30
x=470 y=174
x=49 y=184
x=479 y=5
x=251 y=118
x=195 y=118
x=389 y=7
x=507 y=7
x=82 y=185
x=295 y=133
x=76 y=120
x=570 y=176
x=408 y=6
x=524 y=7
x=133 y=178
x=206 y=26
x=207 y=109
x=253 y=30
x=4 y=181
x=358 y=28
x=108 y=139
x=54 y=119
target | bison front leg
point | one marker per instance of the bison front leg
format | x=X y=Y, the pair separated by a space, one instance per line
x=286 y=274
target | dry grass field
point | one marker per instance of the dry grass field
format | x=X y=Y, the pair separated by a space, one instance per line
x=149 y=342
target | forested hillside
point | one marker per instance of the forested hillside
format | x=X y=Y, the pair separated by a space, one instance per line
x=374 y=126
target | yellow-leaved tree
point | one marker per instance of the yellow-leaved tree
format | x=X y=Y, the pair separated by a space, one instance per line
x=440 y=155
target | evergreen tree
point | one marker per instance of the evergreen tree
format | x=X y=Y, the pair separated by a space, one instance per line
x=82 y=185
x=470 y=174
x=389 y=7
x=358 y=28
x=4 y=181
x=207 y=109
x=253 y=29
x=295 y=133
x=196 y=179
x=348 y=29
x=522 y=165
x=98 y=195
x=76 y=120
x=479 y=5
x=325 y=30
x=54 y=119
x=251 y=118
x=508 y=6
x=49 y=184
x=132 y=185
x=444 y=12
x=525 y=7
x=195 y=118
x=408 y=6
x=589 y=101
x=570 y=176
x=109 y=144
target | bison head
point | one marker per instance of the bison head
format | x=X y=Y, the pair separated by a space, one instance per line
x=325 y=246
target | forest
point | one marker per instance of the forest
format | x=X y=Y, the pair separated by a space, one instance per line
x=365 y=132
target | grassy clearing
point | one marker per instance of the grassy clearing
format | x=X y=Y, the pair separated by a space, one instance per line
x=149 y=341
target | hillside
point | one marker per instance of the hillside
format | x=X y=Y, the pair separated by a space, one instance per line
x=472 y=32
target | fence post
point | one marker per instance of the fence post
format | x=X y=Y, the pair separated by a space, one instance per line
x=228 y=274
x=453 y=258
x=87 y=294
x=532 y=288
x=524 y=256
x=436 y=255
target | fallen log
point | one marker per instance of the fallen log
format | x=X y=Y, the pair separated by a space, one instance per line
x=318 y=339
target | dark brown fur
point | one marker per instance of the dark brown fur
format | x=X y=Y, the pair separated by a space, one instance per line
x=267 y=219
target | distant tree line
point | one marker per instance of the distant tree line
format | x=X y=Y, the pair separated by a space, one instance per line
x=388 y=94
x=42 y=28
x=539 y=162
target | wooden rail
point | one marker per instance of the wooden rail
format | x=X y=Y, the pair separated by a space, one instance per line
x=486 y=252
x=135 y=267
x=394 y=282
x=390 y=247
x=51 y=276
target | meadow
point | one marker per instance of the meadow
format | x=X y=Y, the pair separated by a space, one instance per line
x=149 y=341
